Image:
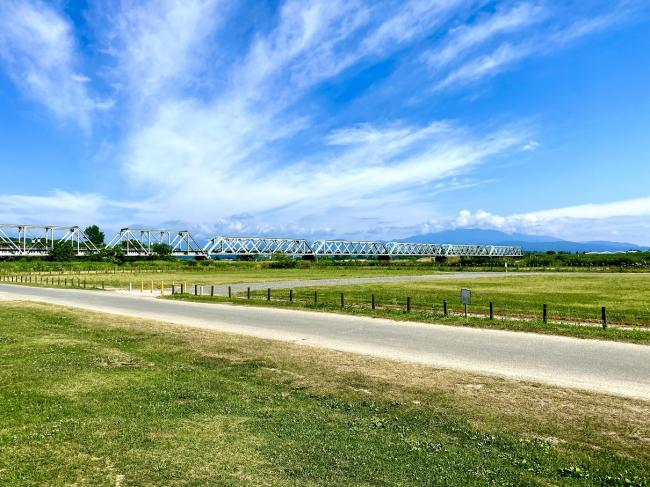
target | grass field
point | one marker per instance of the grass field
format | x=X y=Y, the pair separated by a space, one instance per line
x=230 y=274
x=568 y=297
x=88 y=399
x=572 y=301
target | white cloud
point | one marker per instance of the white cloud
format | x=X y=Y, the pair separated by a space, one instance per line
x=205 y=131
x=633 y=207
x=531 y=145
x=208 y=157
x=468 y=55
x=160 y=44
x=484 y=66
x=414 y=18
x=65 y=208
x=625 y=219
x=38 y=49
x=231 y=172
x=466 y=37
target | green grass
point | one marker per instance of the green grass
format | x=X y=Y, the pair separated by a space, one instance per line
x=232 y=274
x=89 y=399
x=572 y=301
x=613 y=333
x=568 y=297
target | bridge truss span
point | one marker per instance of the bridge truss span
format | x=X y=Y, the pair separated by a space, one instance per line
x=452 y=250
x=251 y=246
x=262 y=246
x=38 y=241
x=140 y=242
x=358 y=248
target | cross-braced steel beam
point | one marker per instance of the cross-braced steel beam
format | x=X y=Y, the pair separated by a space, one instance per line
x=38 y=240
x=233 y=246
x=452 y=250
x=257 y=246
x=35 y=240
x=140 y=242
x=349 y=247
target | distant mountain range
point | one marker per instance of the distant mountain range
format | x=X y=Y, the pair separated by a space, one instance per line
x=532 y=243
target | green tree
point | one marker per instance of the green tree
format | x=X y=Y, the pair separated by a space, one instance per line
x=95 y=235
x=161 y=249
x=62 y=251
x=280 y=260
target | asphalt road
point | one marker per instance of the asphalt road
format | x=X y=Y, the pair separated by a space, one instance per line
x=600 y=366
x=222 y=289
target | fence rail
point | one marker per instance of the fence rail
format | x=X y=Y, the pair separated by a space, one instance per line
x=331 y=298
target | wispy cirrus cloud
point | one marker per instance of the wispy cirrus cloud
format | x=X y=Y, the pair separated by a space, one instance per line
x=242 y=141
x=485 y=48
x=468 y=36
x=159 y=45
x=228 y=147
x=38 y=49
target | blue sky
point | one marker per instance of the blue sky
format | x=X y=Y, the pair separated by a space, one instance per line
x=331 y=118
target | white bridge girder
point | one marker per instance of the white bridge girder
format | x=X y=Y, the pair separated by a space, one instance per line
x=140 y=242
x=253 y=246
x=349 y=247
x=38 y=241
x=35 y=240
x=452 y=250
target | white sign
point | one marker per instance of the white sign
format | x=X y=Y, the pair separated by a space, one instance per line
x=465 y=296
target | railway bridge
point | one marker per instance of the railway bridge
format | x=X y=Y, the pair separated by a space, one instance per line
x=35 y=240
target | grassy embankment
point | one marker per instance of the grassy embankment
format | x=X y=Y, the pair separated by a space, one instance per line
x=90 y=399
x=570 y=299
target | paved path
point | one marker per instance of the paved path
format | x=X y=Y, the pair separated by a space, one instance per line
x=609 y=367
x=222 y=289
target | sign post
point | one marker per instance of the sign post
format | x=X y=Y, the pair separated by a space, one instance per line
x=465 y=298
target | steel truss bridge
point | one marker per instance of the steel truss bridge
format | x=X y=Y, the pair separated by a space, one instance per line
x=141 y=242
x=34 y=240
x=254 y=246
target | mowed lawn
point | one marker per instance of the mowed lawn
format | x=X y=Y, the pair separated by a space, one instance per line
x=91 y=399
x=568 y=297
